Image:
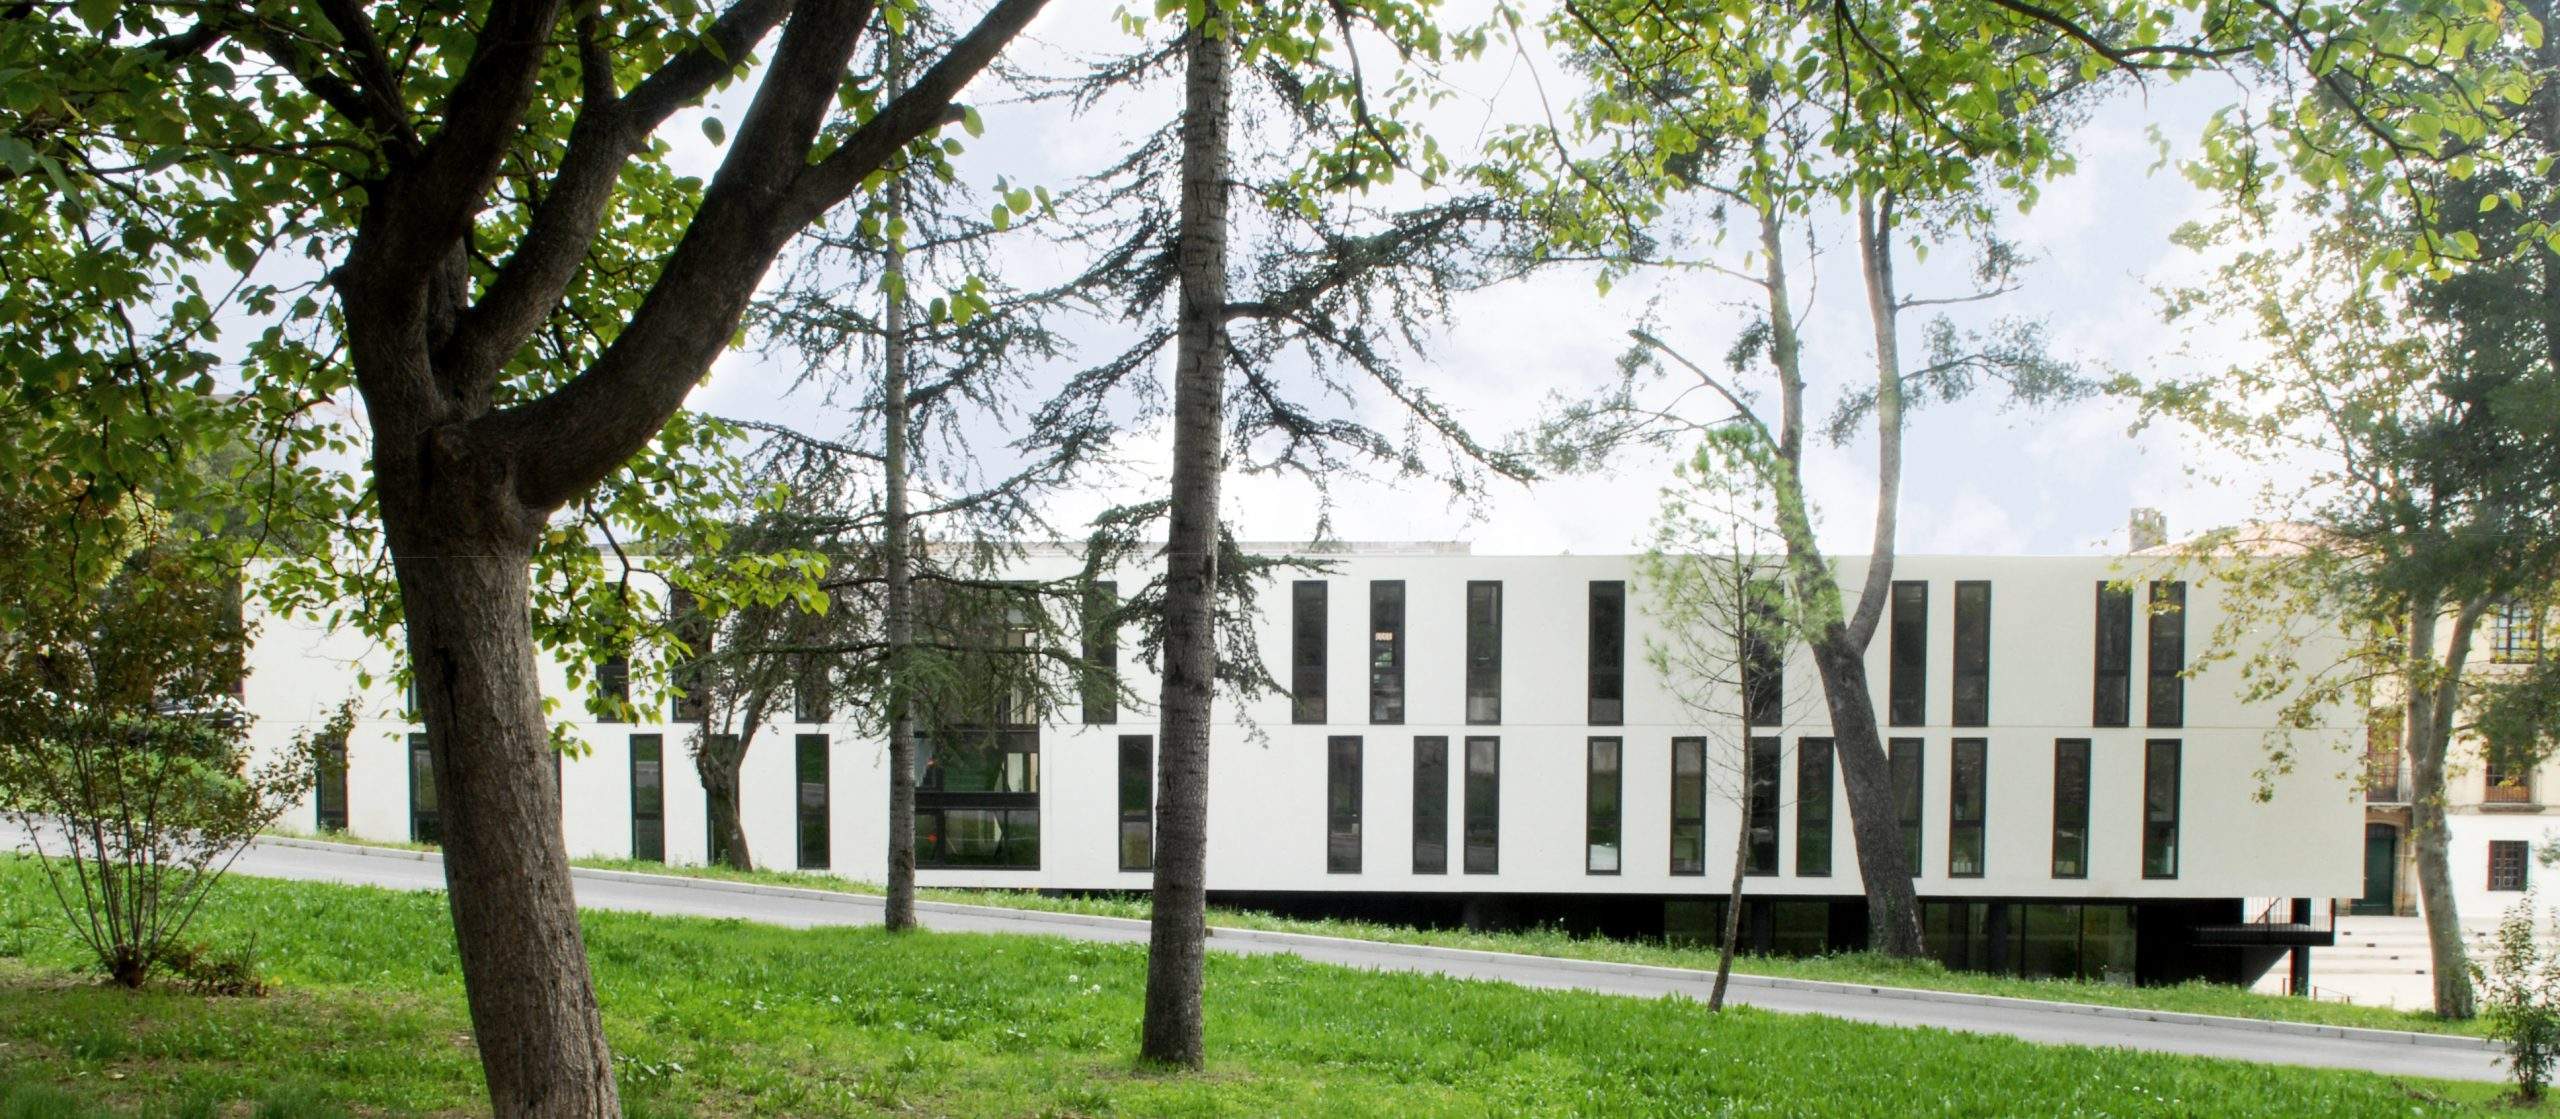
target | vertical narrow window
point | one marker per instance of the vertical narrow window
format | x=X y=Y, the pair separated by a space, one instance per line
x=1760 y=804
x=1484 y=653
x=1101 y=684
x=1608 y=683
x=412 y=708
x=1813 y=807
x=1973 y=654
x=1484 y=805
x=1431 y=805
x=1909 y=795
x=1604 y=792
x=693 y=630
x=2167 y=702
x=810 y=765
x=1907 y=703
x=810 y=698
x=1306 y=651
x=1137 y=802
x=2071 y=805
x=2507 y=861
x=1386 y=651
x=648 y=798
x=1342 y=804
x=2160 y=808
x=1688 y=806
x=715 y=835
x=2113 y=704
x=1764 y=668
x=425 y=824
x=613 y=688
x=1965 y=780
x=329 y=785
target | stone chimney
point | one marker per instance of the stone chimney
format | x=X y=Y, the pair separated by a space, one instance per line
x=2146 y=529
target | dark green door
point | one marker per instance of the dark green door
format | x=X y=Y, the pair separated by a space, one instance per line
x=2381 y=871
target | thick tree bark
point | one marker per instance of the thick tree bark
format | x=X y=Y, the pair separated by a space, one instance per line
x=899 y=624
x=2434 y=694
x=515 y=920
x=1172 y=1030
x=1840 y=636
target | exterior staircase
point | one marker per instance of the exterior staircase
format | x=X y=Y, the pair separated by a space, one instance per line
x=2384 y=961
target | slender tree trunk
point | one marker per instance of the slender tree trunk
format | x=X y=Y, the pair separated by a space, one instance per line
x=1741 y=851
x=1172 y=1031
x=899 y=625
x=1840 y=637
x=2434 y=691
x=718 y=767
x=533 y=1008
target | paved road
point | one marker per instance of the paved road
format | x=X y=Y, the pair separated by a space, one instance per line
x=2376 y=1051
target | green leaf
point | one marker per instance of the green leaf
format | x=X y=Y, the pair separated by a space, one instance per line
x=717 y=132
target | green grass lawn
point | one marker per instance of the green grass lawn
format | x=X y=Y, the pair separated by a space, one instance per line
x=1861 y=968
x=727 y=1018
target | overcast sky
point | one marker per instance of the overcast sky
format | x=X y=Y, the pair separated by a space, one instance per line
x=1978 y=479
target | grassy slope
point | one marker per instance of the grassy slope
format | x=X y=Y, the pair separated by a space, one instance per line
x=2192 y=998
x=729 y=1018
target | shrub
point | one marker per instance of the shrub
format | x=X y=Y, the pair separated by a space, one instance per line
x=2520 y=997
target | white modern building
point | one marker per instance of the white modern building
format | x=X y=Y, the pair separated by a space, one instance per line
x=1480 y=738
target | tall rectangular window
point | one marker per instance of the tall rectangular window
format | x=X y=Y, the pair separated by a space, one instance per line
x=2515 y=632
x=1101 y=683
x=613 y=688
x=2160 y=808
x=2113 y=703
x=811 y=699
x=1342 y=804
x=1909 y=795
x=1760 y=805
x=425 y=822
x=1907 y=702
x=2167 y=702
x=1764 y=668
x=1386 y=651
x=1137 y=802
x=715 y=837
x=1973 y=654
x=1431 y=804
x=2071 y=806
x=1306 y=651
x=978 y=797
x=1608 y=682
x=693 y=629
x=1965 y=781
x=1484 y=653
x=648 y=798
x=1484 y=805
x=1813 y=807
x=329 y=787
x=2508 y=859
x=810 y=767
x=1604 y=793
x=1688 y=806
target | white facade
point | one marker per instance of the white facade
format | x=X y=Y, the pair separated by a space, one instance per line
x=1268 y=797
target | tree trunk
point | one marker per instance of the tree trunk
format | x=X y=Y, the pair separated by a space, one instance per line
x=2433 y=691
x=718 y=769
x=899 y=624
x=1178 y=927
x=1733 y=895
x=1840 y=639
x=515 y=920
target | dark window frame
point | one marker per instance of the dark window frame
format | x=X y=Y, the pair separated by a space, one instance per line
x=1488 y=822
x=1342 y=786
x=1142 y=814
x=1689 y=821
x=654 y=824
x=1386 y=652
x=1815 y=772
x=1606 y=681
x=2111 y=684
x=1762 y=756
x=803 y=748
x=1968 y=807
x=329 y=785
x=1431 y=804
x=2161 y=815
x=1484 y=652
x=1911 y=796
x=1309 y=600
x=1907 y=655
x=2515 y=632
x=426 y=815
x=2510 y=865
x=1969 y=668
x=2071 y=781
x=613 y=687
x=1604 y=818
x=1764 y=666
x=1011 y=809
x=1099 y=689
x=2165 y=699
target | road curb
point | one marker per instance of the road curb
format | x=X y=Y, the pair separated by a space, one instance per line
x=1354 y=945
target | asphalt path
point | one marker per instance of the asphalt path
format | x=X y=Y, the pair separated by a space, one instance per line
x=2390 y=1053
